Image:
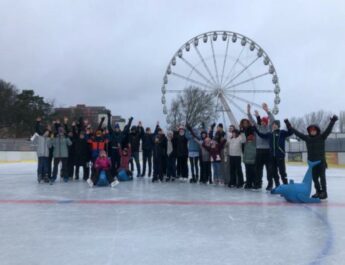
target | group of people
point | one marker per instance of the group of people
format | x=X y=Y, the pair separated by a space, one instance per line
x=214 y=155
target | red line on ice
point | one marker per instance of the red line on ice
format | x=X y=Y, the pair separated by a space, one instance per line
x=167 y=202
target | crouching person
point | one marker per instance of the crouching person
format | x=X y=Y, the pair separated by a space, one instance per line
x=42 y=143
x=102 y=163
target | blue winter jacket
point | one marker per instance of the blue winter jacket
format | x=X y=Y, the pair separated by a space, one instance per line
x=193 y=146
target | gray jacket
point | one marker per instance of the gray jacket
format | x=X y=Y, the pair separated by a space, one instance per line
x=60 y=144
x=260 y=142
x=42 y=144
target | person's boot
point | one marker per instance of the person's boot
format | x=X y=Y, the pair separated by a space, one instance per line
x=39 y=178
x=316 y=195
x=285 y=181
x=323 y=195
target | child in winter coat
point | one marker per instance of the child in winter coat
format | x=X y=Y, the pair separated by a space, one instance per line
x=102 y=163
x=249 y=156
x=315 y=141
x=215 y=150
x=125 y=157
x=42 y=143
x=234 y=144
x=277 y=140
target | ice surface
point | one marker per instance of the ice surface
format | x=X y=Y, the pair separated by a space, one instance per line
x=164 y=223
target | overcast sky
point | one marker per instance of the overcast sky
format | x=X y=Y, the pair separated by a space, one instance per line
x=115 y=53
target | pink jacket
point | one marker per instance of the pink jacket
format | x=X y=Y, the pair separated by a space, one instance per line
x=102 y=163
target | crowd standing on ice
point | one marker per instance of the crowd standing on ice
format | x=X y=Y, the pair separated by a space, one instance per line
x=258 y=142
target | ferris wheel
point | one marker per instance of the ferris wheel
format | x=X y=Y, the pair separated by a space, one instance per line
x=230 y=66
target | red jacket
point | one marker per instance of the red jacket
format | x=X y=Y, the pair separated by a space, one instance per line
x=125 y=158
x=102 y=163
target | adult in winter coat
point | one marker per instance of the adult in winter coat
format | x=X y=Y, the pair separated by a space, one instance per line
x=249 y=157
x=171 y=156
x=135 y=136
x=147 y=147
x=315 y=141
x=234 y=145
x=116 y=138
x=262 y=159
x=181 y=153
x=193 y=153
x=277 y=140
x=82 y=156
x=42 y=143
x=60 y=144
x=160 y=152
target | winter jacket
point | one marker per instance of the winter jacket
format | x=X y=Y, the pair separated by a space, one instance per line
x=60 y=145
x=249 y=153
x=134 y=139
x=193 y=146
x=160 y=149
x=262 y=143
x=102 y=163
x=97 y=144
x=181 y=145
x=124 y=163
x=215 y=152
x=42 y=143
x=276 y=140
x=235 y=145
x=148 y=141
x=82 y=151
x=315 y=144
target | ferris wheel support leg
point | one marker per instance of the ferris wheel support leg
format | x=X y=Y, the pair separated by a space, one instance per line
x=228 y=110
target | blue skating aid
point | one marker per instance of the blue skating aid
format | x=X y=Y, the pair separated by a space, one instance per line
x=299 y=192
x=102 y=181
x=123 y=176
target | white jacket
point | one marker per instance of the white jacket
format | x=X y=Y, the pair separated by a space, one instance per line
x=235 y=145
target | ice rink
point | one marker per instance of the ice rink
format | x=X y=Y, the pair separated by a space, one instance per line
x=164 y=223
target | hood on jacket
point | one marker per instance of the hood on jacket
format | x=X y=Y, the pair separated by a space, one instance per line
x=314 y=126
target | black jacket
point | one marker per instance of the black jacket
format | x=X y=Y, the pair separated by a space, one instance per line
x=148 y=141
x=82 y=151
x=181 y=145
x=134 y=138
x=316 y=144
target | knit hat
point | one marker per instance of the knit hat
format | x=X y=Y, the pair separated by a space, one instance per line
x=277 y=122
x=264 y=120
x=220 y=125
x=117 y=126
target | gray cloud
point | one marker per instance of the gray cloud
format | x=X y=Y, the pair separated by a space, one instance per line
x=114 y=53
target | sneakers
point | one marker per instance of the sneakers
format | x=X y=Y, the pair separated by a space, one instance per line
x=114 y=183
x=89 y=181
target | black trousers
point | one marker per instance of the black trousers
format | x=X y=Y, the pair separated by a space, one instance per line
x=236 y=174
x=70 y=167
x=278 y=164
x=263 y=159
x=95 y=176
x=250 y=175
x=171 y=166
x=147 y=159
x=182 y=166
x=194 y=166
x=319 y=177
x=86 y=170
x=158 y=171
x=206 y=173
x=115 y=160
x=63 y=172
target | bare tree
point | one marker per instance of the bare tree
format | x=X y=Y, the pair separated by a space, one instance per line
x=342 y=121
x=321 y=118
x=298 y=124
x=194 y=106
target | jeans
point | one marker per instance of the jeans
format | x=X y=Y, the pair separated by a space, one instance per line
x=206 y=175
x=278 y=164
x=43 y=167
x=194 y=166
x=86 y=170
x=216 y=171
x=95 y=177
x=147 y=159
x=115 y=160
x=263 y=160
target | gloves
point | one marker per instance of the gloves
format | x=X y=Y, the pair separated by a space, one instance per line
x=213 y=125
x=288 y=124
x=334 y=118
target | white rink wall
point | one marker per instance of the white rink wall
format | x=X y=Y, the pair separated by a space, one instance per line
x=17 y=156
